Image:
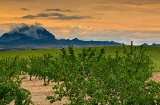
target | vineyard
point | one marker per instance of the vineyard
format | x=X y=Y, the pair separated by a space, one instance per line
x=86 y=77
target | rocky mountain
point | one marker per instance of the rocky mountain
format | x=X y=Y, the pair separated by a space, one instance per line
x=27 y=34
x=29 y=37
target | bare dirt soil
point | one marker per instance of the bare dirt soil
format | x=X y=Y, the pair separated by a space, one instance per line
x=156 y=76
x=39 y=92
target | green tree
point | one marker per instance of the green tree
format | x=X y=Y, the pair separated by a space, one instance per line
x=10 y=82
x=91 y=78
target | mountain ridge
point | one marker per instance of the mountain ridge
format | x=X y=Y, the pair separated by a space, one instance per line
x=39 y=36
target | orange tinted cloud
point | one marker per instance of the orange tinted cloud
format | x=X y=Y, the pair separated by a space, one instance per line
x=101 y=15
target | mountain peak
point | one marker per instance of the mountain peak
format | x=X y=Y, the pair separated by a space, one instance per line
x=33 y=32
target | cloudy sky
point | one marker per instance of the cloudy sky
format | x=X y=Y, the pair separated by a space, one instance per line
x=117 y=20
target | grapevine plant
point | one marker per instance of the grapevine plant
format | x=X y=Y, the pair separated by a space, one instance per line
x=91 y=78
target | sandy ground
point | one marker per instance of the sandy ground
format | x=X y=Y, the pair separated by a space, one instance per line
x=39 y=91
x=156 y=76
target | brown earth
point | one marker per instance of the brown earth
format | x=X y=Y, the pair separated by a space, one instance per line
x=156 y=76
x=39 y=91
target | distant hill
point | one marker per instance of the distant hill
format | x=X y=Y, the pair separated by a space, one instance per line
x=39 y=36
x=26 y=35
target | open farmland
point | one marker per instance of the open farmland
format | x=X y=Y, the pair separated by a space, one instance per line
x=77 y=74
x=154 y=51
x=39 y=92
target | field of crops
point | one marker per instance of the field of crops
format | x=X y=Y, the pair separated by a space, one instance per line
x=118 y=75
x=154 y=51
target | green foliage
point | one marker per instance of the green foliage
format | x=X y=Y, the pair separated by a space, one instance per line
x=10 y=82
x=91 y=78
x=41 y=67
x=153 y=50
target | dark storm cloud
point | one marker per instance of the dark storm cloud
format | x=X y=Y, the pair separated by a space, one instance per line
x=24 y=9
x=57 y=16
x=58 y=10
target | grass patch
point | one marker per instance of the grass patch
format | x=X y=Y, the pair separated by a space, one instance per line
x=154 y=51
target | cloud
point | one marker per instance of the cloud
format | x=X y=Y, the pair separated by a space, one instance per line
x=58 y=10
x=2 y=31
x=151 y=9
x=6 y=27
x=111 y=8
x=69 y=32
x=140 y=2
x=56 y=16
x=29 y=17
x=133 y=2
x=75 y=17
x=38 y=24
x=45 y=15
x=89 y=33
x=24 y=9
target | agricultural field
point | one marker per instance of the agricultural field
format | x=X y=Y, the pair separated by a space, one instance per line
x=121 y=75
x=154 y=51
